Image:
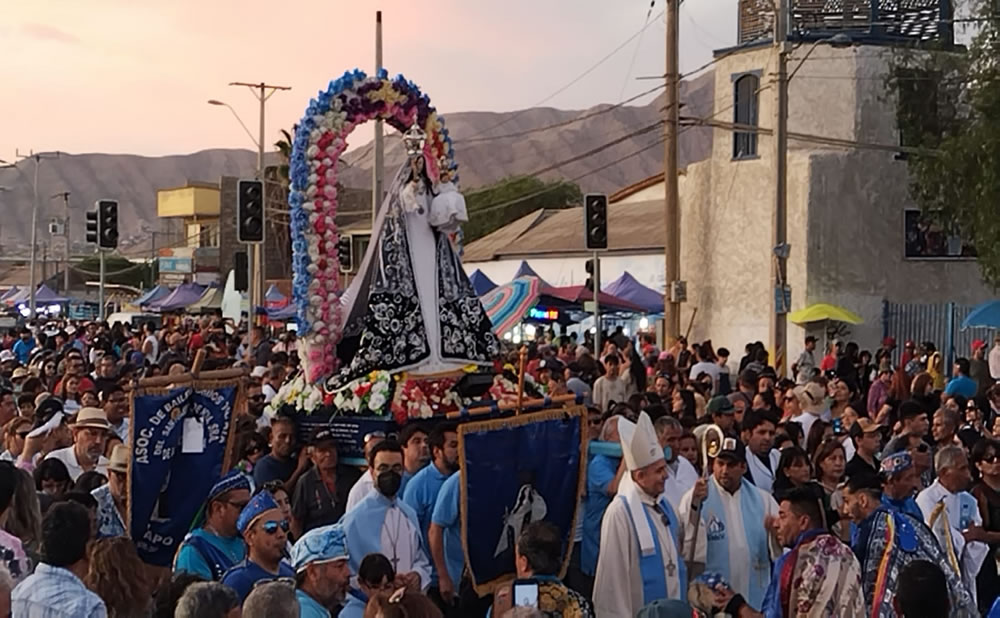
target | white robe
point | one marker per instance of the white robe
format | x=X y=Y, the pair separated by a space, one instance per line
x=762 y=477
x=361 y=488
x=739 y=551
x=408 y=554
x=618 y=583
x=970 y=555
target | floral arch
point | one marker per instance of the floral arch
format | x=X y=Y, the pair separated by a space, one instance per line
x=319 y=141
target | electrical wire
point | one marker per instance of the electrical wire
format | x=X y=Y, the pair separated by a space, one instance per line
x=573 y=82
x=635 y=52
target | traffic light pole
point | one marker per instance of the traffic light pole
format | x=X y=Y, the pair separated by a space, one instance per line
x=597 y=306
x=100 y=289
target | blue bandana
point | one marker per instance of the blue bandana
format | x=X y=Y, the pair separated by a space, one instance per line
x=260 y=503
x=322 y=544
x=233 y=480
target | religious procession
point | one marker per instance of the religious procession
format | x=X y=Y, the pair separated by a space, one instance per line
x=387 y=433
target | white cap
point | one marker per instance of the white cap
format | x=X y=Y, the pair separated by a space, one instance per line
x=6 y=356
x=639 y=443
x=258 y=372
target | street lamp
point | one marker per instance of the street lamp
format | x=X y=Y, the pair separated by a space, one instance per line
x=37 y=156
x=238 y=119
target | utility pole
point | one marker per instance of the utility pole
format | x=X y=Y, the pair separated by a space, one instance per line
x=100 y=289
x=377 y=177
x=597 y=305
x=263 y=92
x=779 y=262
x=34 y=221
x=671 y=219
x=66 y=236
x=152 y=259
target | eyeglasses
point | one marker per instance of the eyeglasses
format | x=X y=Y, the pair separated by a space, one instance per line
x=271 y=526
x=240 y=505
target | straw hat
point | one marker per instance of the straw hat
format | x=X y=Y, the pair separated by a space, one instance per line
x=91 y=417
x=119 y=458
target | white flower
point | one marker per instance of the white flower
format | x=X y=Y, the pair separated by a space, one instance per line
x=376 y=402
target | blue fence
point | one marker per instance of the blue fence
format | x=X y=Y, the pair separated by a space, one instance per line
x=938 y=323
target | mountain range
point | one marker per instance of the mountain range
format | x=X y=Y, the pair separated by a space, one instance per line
x=489 y=146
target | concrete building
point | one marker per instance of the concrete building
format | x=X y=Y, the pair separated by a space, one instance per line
x=196 y=256
x=855 y=238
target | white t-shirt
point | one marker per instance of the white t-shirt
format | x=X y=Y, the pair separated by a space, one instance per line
x=153 y=356
x=711 y=369
x=68 y=456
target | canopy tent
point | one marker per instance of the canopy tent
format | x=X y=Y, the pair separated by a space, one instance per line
x=152 y=295
x=184 y=295
x=526 y=271
x=45 y=294
x=507 y=304
x=480 y=282
x=14 y=290
x=273 y=296
x=628 y=288
x=574 y=297
x=986 y=315
x=210 y=300
x=821 y=312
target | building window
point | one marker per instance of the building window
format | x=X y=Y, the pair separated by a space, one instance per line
x=745 y=91
x=917 y=113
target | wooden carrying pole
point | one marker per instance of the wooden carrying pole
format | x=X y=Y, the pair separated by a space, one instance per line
x=520 y=378
x=194 y=374
x=503 y=407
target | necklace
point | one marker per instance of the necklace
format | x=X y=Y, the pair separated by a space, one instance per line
x=394 y=539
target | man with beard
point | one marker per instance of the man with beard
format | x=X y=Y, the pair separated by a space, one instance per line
x=322 y=576
x=383 y=524
x=886 y=541
x=255 y=398
x=212 y=549
x=320 y=496
x=422 y=491
x=90 y=431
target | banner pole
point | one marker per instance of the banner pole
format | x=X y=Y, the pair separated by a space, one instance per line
x=520 y=378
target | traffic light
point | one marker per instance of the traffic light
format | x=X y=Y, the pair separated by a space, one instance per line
x=345 y=252
x=250 y=211
x=93 y=227
x=595 y=220
x=590 y=276
x=107 y=224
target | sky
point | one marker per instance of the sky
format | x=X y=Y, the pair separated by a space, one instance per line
x=127 y=76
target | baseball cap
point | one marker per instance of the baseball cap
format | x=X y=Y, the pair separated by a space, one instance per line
x=321 y=435
x=978 y=343
x=720 y=404
x=733 y=450
x=889 y=341
x=7 y=356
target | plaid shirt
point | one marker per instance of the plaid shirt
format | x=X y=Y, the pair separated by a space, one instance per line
x=54 y=592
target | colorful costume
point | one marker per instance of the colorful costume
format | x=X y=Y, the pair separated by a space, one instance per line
x=819 y=577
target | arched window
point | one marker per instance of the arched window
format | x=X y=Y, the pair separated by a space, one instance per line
x=745 y=90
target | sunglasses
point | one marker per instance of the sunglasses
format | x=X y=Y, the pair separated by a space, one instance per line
x=256 y=398
x=239 y=505
x=270 y=526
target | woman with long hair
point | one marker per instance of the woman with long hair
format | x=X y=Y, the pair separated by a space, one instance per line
x=118 y=576
x=794 y=470
x=69 y=392
x=24 y=516
x=986 y=459
x=829 y=463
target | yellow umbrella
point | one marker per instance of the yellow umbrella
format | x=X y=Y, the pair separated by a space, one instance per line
x=821 y=312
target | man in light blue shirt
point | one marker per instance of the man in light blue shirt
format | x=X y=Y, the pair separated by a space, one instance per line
x=446 y=540
x=321 y=570
x=216 y=547
x=422 y=491
x=56 y=589
x=961 y=384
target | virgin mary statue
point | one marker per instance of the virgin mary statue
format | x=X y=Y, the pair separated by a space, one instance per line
x=412 y=307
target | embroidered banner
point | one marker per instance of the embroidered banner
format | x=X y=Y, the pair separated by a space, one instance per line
x=178 y=446
x=515 y=471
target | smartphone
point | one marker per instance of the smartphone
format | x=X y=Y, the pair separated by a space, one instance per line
x=838 y=427
x=526 y=593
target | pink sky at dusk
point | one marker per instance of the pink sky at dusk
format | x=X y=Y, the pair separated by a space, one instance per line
x=134 y=76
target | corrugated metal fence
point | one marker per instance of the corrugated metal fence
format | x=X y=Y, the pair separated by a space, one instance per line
x=938 y=323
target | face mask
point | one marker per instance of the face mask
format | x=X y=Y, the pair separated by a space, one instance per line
x=668 y=453
x=388 y=483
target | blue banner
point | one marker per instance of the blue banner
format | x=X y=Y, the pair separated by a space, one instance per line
x=515 y=471
x=178 y=446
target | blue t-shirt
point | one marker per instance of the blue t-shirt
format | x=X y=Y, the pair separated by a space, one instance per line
x=421 y=493
x=309 y=608
x=241 y=578
x=270 y=468
x=22 y=350
x=601 y=470
x=447 y=515
x=962 y=385
x=190 y=560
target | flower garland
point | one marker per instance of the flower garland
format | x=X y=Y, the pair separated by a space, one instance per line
x=319 y=141
x=370 y=394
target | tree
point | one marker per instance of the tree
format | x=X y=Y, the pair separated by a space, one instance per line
x=949 y=104
x=496 y=205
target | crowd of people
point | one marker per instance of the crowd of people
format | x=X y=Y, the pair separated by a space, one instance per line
x=865 y=484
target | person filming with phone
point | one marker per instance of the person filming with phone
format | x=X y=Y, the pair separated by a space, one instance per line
x=537 y=558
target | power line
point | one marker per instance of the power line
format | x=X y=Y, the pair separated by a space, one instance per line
x=573 y=82
x=635 y=52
